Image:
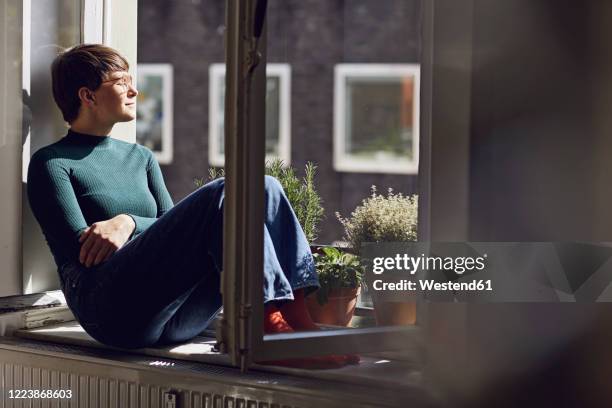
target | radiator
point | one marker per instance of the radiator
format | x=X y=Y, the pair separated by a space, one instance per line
x=142 y=381
x=94 y=391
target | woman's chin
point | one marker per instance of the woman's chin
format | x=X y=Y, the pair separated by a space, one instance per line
x=128 y=117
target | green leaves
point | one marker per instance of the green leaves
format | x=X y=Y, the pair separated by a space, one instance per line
x=379 y=218
x=337 y=269
x=301 y=193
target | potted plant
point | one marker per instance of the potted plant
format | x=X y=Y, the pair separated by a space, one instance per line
x=301 y=193
x=384 y=218
x=340 y=277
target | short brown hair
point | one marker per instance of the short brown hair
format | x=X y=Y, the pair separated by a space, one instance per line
x=84 y=65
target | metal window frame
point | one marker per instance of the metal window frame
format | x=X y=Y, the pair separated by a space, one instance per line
x=241 y=330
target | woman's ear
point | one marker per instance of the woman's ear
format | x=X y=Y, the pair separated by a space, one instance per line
x=86 y=96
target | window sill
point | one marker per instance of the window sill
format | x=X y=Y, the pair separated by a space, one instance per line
x=32 y=301
x=374 y=369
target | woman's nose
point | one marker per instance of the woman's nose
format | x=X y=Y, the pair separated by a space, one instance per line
x=132 y=90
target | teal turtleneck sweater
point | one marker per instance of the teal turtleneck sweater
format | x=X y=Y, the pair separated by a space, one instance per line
x=82 y=179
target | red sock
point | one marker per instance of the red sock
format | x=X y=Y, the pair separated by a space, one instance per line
x=296 y=313
x=275 y=323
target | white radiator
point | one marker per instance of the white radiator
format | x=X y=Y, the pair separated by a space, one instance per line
x=98 y=392
x=118 y=380
x=89 y=391
x=142 y=390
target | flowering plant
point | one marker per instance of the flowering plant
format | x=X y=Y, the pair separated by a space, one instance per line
x=380 y=218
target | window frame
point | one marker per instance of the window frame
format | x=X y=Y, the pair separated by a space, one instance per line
x=11 y=116
x=216 y=74
x=101 y=21
x=95 y=21
x=344 y=162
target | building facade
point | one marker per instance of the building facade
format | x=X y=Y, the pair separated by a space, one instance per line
x=310 y=38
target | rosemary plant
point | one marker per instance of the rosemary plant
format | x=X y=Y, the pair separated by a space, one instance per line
x=301 y=193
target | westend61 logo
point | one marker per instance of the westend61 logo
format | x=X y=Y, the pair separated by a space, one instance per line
x=412 y=264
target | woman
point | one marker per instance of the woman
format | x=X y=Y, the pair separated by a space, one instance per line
x=136 y=270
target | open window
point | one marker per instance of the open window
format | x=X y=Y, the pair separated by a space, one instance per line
x=42 y=28
x=241 y=331
x=244 y=148
x=34 y=31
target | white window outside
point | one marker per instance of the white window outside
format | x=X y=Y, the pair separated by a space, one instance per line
x=376 y=118
x=278 y=113
x=154 y=109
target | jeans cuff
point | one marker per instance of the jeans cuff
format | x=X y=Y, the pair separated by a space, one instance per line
x=281 y=299
x=309 y=286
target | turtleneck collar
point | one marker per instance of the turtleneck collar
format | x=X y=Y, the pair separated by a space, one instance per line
x=83 y=138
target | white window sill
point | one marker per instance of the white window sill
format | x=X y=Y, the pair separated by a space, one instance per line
x=374 y=368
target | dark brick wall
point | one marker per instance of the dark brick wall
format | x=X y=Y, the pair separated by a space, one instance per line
x=189 y=36
x=310 y=35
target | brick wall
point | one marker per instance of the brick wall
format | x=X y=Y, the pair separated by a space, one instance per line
x=310 y=35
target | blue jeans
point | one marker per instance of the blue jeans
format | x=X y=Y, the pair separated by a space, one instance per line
x=163 y=286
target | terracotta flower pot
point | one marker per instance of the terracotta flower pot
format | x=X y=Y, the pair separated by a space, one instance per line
x=394 y=313
x=338 y=310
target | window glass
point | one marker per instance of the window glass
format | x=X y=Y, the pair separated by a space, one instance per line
x=53 y=26
x=306 y=43
x=376 y=117
x=355 y=115
x=155 y=110
x=11 y=129
x=48 y=27
x=273 y=119
x=378 y=108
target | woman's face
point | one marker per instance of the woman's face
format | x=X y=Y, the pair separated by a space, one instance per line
x=116 y=98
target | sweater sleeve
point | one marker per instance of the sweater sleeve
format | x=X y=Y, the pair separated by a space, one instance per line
x=157 y=187
x=54 y=203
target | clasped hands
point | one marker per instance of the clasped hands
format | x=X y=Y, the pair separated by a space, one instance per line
x=101 y=239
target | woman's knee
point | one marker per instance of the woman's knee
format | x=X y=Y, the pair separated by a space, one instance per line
x=216 y=184
x=272 y=185
x=214 y=188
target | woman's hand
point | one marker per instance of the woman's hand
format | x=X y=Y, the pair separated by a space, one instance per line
x=101 y=239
